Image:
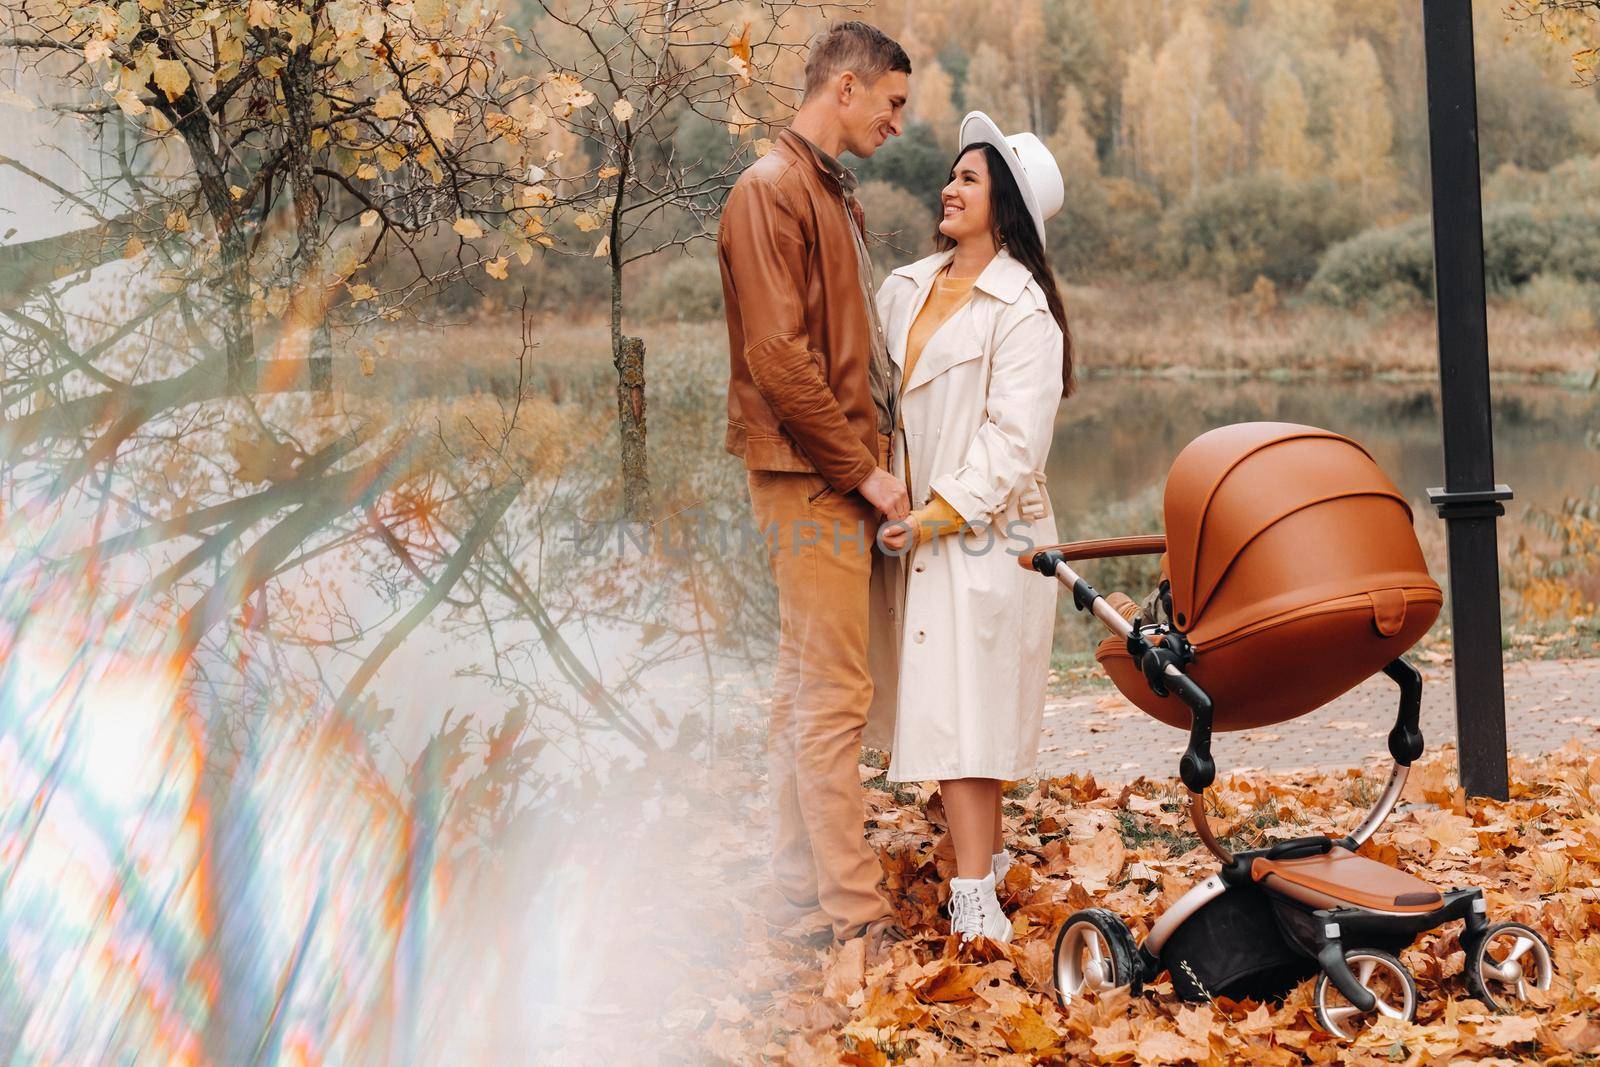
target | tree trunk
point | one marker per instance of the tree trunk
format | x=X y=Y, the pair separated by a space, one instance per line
x=188 y=115
x=627 y=354
x=306 y=322
x=630 y=428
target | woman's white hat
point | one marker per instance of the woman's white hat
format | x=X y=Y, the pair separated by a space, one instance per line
x=1031 y=164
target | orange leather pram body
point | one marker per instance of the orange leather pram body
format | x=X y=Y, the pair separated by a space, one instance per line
x=1295 y=574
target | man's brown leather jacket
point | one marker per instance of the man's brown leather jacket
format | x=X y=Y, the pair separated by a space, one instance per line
x=799 y=331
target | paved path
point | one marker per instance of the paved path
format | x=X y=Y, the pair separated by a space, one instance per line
x=1548 y=703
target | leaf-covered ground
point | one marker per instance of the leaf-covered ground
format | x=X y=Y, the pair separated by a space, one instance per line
x=721 y=988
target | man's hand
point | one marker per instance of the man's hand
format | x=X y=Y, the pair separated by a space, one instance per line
x=886 y=493
x=896 y=535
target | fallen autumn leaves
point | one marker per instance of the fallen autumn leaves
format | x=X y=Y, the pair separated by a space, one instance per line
x=792 y=1000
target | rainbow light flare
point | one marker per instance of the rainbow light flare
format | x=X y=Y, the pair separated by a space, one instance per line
x=176 y=892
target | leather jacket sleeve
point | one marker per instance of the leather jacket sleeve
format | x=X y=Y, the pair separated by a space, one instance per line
x=764 y=249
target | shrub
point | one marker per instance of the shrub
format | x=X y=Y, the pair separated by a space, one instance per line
x=687 y=289
x=1574 y=181
x=1105 y=224
x=914 y=162
x=1560 y=299
x=1516 y=246
x=1356 y=270
x=1263 y=225
x=899 y=226
x=1520 y=242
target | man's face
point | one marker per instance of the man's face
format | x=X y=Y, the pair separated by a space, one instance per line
x=871 y=112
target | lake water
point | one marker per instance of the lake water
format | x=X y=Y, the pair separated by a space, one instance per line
x=1116 y=438
x=1113 y=446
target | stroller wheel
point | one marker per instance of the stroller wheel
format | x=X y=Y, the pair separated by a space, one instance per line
x=1094 y=952
x=1505 y=962
x=1381 y=975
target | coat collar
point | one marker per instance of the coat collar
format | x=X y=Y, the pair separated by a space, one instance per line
x=1004 y=278
x=826 y=165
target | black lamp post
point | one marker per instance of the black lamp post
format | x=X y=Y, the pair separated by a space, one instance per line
x=1470 y=499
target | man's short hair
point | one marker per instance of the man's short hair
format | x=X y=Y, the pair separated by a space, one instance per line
x=854 y=46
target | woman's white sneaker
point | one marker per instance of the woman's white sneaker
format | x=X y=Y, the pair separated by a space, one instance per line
x=975 y=910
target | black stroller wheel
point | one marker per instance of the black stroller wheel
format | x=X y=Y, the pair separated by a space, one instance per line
x=1505 y=962
x=1094 y=952
x=1380 y=974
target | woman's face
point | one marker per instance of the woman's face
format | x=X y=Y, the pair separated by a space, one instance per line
x=965 y=201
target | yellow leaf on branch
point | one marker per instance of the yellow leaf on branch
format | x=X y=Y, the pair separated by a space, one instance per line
x=467 y=228
x=129 y=102
x=431 y=13
x=567 y=92
x=623 y=110
x=369 y=218
x=501 y=125
x=496 y=268
x=389 y=105
x=739 y=60
x=603 y=249
x=298 y=25
x=361 y=291
x=586 y=221
x=441 y=123
x=262 y=14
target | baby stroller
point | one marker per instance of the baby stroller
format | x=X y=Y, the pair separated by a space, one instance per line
x=1290 y=574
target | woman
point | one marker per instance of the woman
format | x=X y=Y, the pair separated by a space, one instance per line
x=980 y=337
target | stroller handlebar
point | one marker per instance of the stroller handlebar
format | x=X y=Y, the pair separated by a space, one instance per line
x=1161 y=663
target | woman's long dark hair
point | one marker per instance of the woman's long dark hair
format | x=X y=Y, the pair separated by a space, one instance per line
x=1013 y=230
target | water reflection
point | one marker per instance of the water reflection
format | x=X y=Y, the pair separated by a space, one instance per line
x=1117 y=438
x=1115 y=441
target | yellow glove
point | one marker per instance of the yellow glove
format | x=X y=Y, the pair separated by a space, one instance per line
x=934 y=518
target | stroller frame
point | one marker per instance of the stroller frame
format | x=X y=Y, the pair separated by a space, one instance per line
x=1331 y=933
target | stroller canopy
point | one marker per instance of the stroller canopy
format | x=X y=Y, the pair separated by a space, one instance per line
x=1294 y=570
x=1267 y=517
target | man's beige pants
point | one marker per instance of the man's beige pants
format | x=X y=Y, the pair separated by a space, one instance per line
x=820 y=544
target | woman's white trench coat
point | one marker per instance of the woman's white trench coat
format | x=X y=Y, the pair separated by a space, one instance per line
x=961 y=633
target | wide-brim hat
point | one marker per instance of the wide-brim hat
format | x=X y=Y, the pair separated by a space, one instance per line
x=1031 y=163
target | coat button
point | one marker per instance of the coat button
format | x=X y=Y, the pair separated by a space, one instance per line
x=919 y=568
x=920 y=635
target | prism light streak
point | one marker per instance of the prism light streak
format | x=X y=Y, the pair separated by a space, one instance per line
x=166 y=898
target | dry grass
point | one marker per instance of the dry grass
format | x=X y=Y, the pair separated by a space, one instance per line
x=1178 y=328
x=1193 y=328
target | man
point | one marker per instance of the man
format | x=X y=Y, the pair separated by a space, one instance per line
x=811 y=397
